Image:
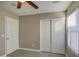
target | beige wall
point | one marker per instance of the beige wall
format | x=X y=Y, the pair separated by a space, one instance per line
x=70 y=10
x=4 y=13
x=30 y=29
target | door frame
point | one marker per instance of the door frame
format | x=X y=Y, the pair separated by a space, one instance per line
x=5 y=35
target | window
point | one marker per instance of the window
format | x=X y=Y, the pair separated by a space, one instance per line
x=73 y=31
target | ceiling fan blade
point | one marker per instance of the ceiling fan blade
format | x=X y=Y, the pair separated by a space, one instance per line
x=19 y=4
x=32 y=4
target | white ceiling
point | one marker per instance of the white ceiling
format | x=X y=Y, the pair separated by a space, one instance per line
x=44 y=7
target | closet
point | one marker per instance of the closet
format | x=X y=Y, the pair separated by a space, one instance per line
x=52 y=35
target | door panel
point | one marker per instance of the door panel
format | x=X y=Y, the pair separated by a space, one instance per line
x=45 y=35
x=12 y=34
x=58 y=37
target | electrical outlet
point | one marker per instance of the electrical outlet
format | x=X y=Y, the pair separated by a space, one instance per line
x=33 y=45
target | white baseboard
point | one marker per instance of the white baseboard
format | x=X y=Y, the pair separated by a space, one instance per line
x=3 y=55
x=66 y=55
x=30 y=49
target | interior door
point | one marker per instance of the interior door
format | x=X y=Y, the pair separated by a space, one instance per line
x=45 y=35
x=58 y=36
x=12 y=34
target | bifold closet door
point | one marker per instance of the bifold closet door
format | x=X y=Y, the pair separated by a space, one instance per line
x=45 y=35
x=52 y=35
x=58 y=36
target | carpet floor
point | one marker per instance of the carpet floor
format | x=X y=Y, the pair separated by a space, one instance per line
x=25 y=53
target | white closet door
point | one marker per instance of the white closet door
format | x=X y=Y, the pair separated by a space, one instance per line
x=58 y=36
x=45 y=35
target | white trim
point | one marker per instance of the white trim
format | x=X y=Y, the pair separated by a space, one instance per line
x=3 y=55
x=66 y=55
x=30 y=49
x=5 y=37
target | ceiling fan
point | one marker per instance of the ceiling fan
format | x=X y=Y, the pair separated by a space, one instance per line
x=19 y=4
